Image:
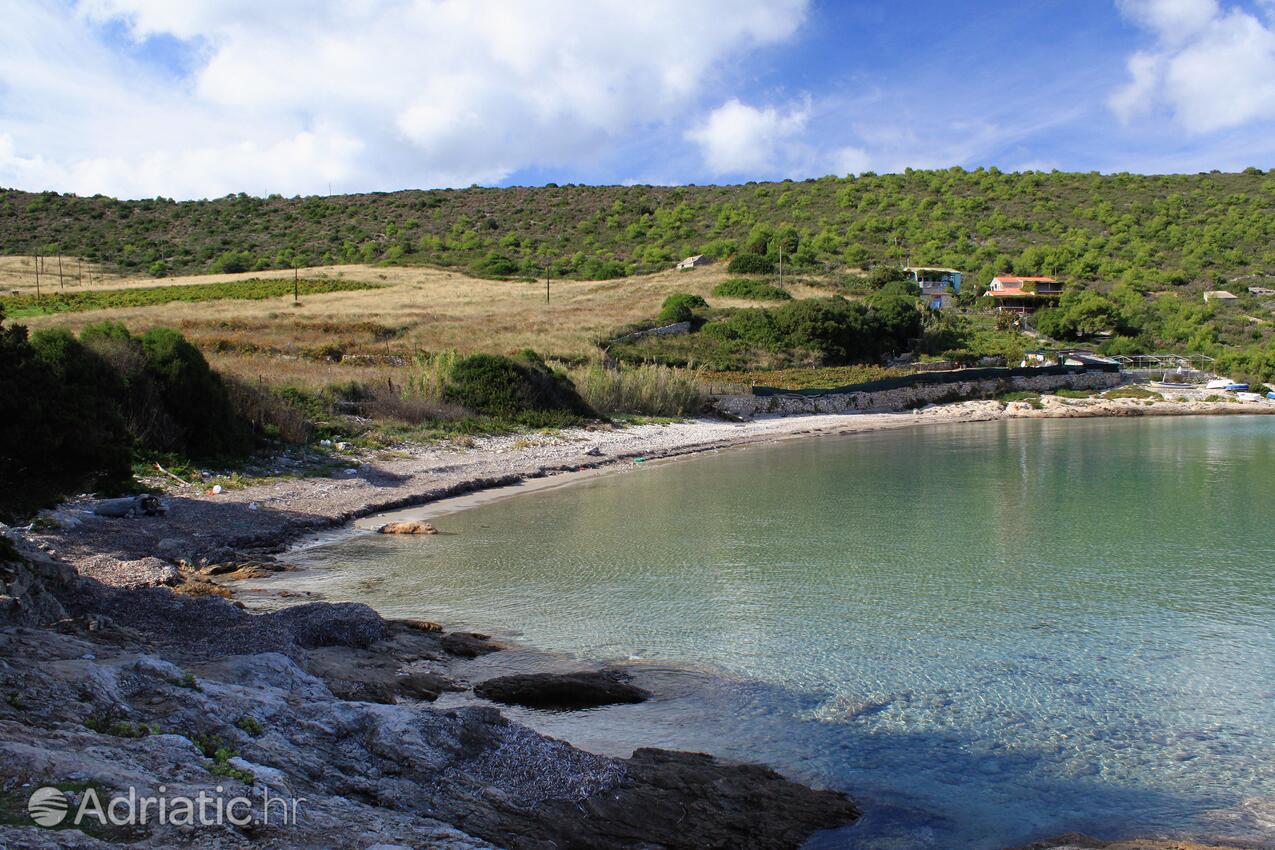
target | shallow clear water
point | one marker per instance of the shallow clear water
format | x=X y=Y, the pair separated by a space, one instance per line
x=988 y=633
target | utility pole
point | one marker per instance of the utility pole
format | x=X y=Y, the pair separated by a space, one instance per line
x=61 y=285
x=548 y=271
x=296 y=284
x=37 y=277
x=781 y=265
x=79 y=272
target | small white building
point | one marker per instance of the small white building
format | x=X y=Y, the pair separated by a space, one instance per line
x=1220 y=295
x=692 y=262
x=1261 y=290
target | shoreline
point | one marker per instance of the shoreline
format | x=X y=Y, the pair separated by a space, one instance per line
x=237 y=534
x=262 y=522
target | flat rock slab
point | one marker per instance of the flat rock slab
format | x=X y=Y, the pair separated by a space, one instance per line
x=562 y=691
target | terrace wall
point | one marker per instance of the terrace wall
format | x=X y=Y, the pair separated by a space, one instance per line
x=917 y=392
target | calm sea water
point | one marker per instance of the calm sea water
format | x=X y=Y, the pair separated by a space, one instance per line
x=987 y=633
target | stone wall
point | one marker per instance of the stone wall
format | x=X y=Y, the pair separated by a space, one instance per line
x=747 y=406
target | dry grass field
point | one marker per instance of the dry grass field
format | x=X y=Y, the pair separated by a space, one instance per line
x=353 y=335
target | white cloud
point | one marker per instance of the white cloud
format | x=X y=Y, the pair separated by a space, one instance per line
x=289 y=95
x=1214 y=69
x=737 y=138
x=754 y=141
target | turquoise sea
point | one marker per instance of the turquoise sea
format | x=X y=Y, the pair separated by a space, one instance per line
x=987 y=633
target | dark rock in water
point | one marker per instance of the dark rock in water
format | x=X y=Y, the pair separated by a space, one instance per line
x=468 y=644
x=561 y=691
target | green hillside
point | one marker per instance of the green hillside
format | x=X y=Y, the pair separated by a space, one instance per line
x=1154 y=231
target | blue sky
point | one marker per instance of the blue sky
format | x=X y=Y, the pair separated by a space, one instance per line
x=197 y=99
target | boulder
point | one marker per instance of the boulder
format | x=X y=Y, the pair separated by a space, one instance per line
x=562 y=691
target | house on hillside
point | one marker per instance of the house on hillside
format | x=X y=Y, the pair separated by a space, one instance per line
x=692 y=262
x=1023 y=294
x=1261 y=290
x=938 y=286
x=1221 y=296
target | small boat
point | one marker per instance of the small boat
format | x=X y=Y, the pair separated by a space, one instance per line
x=1226 y=385
x=1249 y=396
x=1169 y=385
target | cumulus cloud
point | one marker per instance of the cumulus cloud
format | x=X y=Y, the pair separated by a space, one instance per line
x=289 y=95
x=736 y=138
x=1212 y=68
x=740 y=139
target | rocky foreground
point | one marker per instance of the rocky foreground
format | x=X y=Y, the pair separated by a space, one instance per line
x=106 y=689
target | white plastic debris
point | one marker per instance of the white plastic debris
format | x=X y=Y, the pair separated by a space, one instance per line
x=216 y=490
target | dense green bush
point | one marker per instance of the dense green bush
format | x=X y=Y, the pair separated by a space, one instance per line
x=753 y=290
x=496 y=265
x=521 y=389
x=73 y=412
x=59 y=429
x=748 y=263
x=680 y=307
x=837 y=330
x=232 y=262
x=194 y=397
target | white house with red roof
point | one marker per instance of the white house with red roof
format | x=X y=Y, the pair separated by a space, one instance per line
x=1023 y=294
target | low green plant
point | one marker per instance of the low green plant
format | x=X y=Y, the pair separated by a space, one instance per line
x=518 y=389
x=753 y=290
x=104 y=724
x=680 y=307
x=251 y=725
x=1133 y=392
x=748 y=263
x=1067 y=392
x=1032 y=398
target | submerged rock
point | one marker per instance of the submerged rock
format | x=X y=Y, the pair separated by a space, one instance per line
x=468 y=644
x=411 y=527
x=562 y=691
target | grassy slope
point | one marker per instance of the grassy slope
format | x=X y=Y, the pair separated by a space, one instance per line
x=1175 y=229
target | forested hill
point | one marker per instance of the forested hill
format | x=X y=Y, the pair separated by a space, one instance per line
x=1152 y=231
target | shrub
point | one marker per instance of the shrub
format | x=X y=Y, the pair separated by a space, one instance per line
x=232 y=262
x=496 y=265
x=680 y=307
x=195 y=398
x=882 y=275
x=59 y=428
x=754 y=290
x=750 y=264
x=522 y=390
x=1133 y=392
x=836 y=330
